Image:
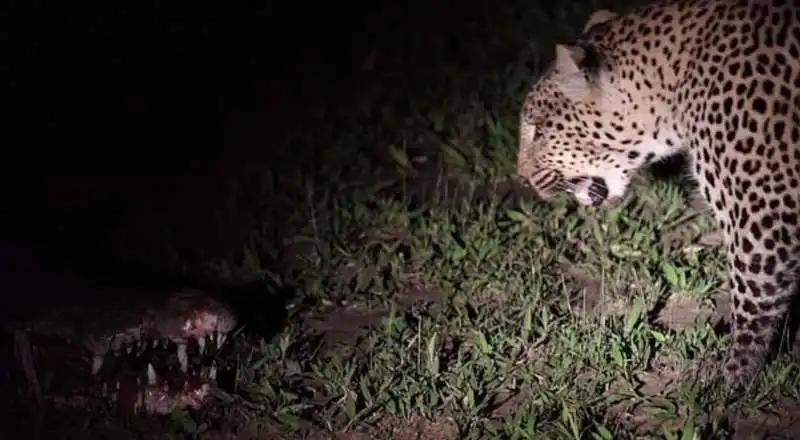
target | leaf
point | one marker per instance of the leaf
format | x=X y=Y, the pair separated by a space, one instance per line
x=616 y=354
x=516 y=216
x=400 y=157
x=527 y=323
x=597 y=232
x=458 y=254
x=483 y=344
x=671 y=274
x=688 y=430
x=633 y=317
x=603 y=433
x=433 y=354
x=455 y=156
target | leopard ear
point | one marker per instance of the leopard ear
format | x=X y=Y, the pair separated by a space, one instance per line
x=568 y=59
x=572 y=80
x=598 y=17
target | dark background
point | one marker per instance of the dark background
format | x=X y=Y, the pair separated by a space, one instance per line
x=158 y=85
x=126 y=120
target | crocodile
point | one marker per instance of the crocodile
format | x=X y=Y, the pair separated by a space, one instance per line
x=77 y=339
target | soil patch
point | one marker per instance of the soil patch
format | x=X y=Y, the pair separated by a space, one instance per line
x=781 y=422
x=340 y=328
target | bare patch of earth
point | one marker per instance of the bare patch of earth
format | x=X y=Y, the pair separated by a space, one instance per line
x=341 y=328
x=386 y=427
x=680 y=312
x=781 y=422
x=640 y=415
x=653 y=385
x=691 y=231
x=434 y=182
x=592 y=297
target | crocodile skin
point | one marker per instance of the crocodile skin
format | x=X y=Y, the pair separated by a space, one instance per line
x=143 y=350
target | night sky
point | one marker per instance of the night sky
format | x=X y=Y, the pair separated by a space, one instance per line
x=113 y=107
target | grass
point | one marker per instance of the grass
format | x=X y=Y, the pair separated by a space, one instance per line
x=498 y=317
x=431 y=299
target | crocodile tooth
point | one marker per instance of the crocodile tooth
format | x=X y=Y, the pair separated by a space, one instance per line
x=183 y=357
x=117 y=343
x=204 y=371
x=220 y=339
x=128 y=348
x=212 y=374
x=97 y=363
x=151 y=374
x=201 y=343
x=155 y=343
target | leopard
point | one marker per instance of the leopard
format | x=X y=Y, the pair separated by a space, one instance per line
x=717 y=81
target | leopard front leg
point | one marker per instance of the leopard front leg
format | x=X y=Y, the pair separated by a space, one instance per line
x=762 y=261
